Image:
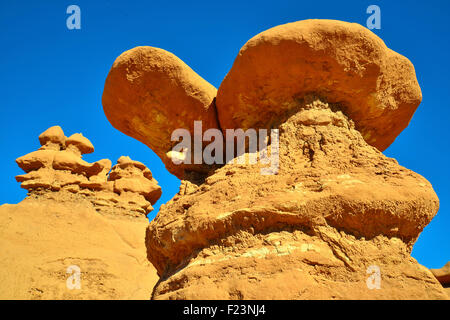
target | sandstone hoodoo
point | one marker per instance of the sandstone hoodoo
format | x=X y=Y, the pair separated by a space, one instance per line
x=58 y=166
x=342 y=62
x=443 y=276
x=77 y=216
x=336 y=207
x=160 y=93
x=338 y=219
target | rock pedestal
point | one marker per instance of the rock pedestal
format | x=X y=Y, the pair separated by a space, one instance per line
x=338 y=214
x=77 y=217
x=337 y=220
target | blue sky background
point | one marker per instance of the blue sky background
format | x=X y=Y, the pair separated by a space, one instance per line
x=50 y=75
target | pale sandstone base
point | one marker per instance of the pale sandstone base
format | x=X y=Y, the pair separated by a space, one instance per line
x=40 y=239
x=285 y=265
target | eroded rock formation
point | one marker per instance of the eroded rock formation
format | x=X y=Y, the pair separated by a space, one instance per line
x=344 y=62
x=336 y=207
x=77 y=216
x=57 y=166
x=336 y=211
x=160 y=93
x=443 y=276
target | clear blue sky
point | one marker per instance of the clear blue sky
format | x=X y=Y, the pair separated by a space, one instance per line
x=50 y=75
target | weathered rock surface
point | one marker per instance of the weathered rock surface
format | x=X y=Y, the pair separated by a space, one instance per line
x=336 y=207
x=340 y=61
x=58 y=166
x=337 y=220
x=41 y=237
x=443 y=276
x=150 y=92
x=76 y=216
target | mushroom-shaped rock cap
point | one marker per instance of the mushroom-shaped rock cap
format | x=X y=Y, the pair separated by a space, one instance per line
x=54 y=135
x=125 y=161
x=443 y=274
x=150 y=92
x=80 y=142
x=342 y=62
x=133 y=176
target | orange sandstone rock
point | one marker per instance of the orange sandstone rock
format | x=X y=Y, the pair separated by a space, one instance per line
x=36 y=160
x=443 y=276
x=133 y=176
x=52 y=136
x=149 y=93
x=336 y=207
x=342 y=62
x=80 y=144
x=67 y=160
x=74 y=218
x=46 y=235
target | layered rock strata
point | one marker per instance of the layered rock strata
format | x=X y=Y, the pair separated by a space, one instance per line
x=80 y=232
x=336 y=220
x=128 y=187
x=443 y=276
